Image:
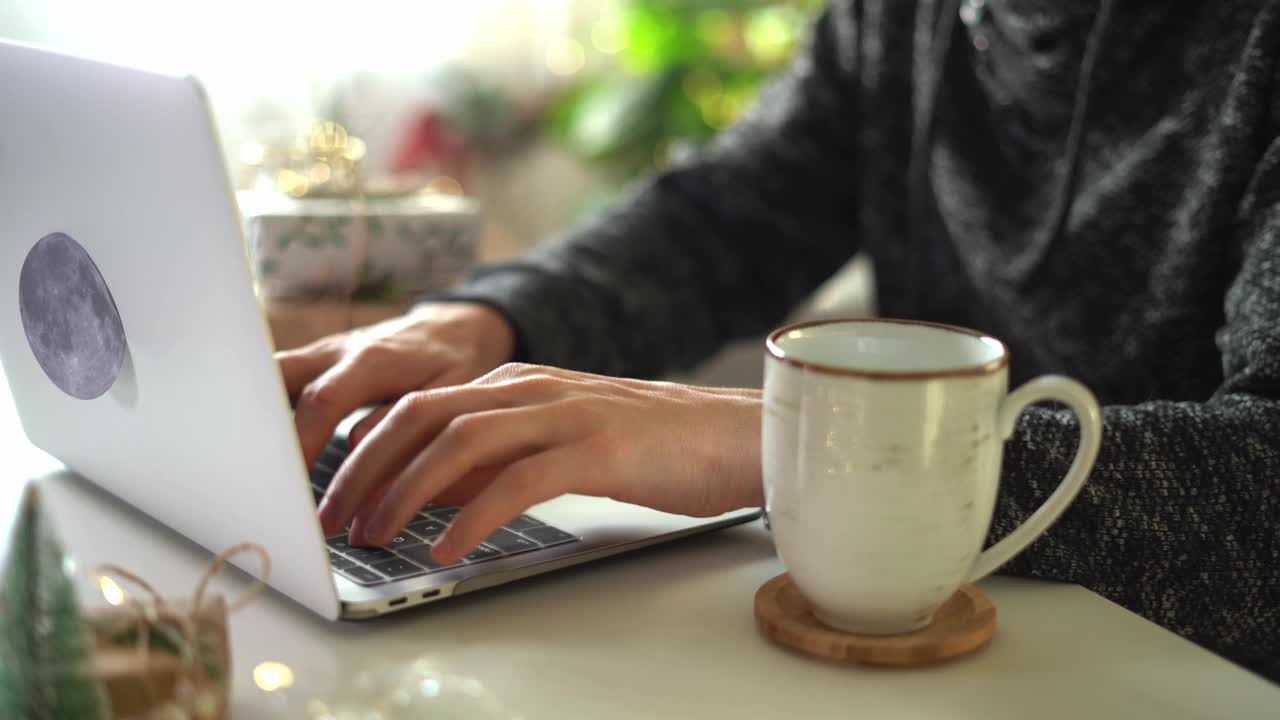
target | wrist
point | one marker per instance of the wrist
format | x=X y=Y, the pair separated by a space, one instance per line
x=497 y=333
x=735 y=455
x=491 y=332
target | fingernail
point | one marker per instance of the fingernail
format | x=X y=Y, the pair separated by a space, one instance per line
x=326 y=513
x=442 y=551
x=355 y=536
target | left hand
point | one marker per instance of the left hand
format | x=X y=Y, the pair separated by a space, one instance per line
x=524 y=434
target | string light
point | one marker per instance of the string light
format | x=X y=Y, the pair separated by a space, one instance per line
x=111 y=591
x=609 y=36
x=271 y=676
x=566 y=57
x=320 y=173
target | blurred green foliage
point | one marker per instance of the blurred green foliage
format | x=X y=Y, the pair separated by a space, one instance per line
x=656 y=76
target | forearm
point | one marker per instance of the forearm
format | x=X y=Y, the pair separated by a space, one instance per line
x=1177 y=522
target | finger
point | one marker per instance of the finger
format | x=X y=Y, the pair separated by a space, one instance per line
x=401 y=435
x=471 y=484
x=359 y=535
x=523 y=484
x=394 y=441
x=300 y=366
x=362 y=429
x=469 y=442
x=366 y=425
x=362 y=378
x=461 y=492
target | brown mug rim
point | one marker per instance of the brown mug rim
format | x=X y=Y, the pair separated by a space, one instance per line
x=987 y=368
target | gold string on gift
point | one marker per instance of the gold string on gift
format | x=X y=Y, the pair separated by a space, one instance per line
x=192 y=692
x=334 y=169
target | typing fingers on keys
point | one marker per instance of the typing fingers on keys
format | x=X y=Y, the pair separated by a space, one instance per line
x=489 y=438
x=368 y=375
x=519 y=486
x=458 y=428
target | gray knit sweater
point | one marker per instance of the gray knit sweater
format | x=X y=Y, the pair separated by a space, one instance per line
x=1099 y=187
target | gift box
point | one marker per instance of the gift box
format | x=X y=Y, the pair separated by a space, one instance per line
x=159 y=657
x=296 y=322
x=137 y=658
x=375 y=247
x=146 y=660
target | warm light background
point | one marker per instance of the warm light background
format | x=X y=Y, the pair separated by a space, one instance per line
x=273 y=66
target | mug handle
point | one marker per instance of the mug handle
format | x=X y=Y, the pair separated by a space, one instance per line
x=1085 y=406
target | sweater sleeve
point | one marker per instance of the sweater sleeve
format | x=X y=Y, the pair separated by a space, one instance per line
x=1180 y=519
x=719 y=247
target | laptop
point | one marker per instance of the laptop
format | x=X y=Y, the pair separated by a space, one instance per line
x=138 y=355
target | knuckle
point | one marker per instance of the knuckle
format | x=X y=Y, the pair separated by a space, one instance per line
x=463 y=430
x=318 y=395
x=537 y=382
x=374 y=353
x=507 y=371
x=415 y=404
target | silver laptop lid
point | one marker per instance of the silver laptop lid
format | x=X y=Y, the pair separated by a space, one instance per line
x=195 y=429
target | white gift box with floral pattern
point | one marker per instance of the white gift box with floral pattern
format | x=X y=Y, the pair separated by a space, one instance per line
x=326 y=247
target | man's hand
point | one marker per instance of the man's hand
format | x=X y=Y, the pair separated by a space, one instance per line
x=524 y=434
x=433 y=346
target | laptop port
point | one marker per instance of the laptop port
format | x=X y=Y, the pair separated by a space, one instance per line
x=430 y=594
x=398 y=601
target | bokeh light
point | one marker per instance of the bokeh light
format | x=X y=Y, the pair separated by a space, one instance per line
x=566 y=57
x=609 y=35
x=270 y=676
x=111 y=590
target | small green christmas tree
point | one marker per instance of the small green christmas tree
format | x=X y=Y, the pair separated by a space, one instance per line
x=46 y=654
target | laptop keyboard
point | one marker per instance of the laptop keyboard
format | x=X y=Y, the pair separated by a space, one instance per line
x=409 y=554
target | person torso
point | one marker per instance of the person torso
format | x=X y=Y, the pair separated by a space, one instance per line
x=1129 y=297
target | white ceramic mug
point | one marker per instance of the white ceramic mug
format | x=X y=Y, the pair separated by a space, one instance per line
x=881 y=461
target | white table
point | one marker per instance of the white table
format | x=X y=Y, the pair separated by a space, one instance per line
x=663 y=633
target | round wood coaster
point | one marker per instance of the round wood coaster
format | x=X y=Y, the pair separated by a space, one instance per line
x=963 y=624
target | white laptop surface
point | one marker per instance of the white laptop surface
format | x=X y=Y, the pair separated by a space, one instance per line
x=196 y=429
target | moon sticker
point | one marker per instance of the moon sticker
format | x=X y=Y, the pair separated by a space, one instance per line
x=70 y=319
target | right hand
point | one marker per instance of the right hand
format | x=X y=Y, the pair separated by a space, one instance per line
x=434 y=345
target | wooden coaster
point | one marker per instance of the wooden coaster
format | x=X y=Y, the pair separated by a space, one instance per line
x=963 y=624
